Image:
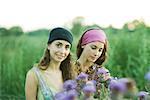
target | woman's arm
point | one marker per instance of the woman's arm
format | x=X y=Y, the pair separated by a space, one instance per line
x=31 y=86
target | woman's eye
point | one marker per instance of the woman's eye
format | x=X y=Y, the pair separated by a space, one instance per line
x=93 y=48
x=67 y=47
x=100 y=50
x=58 y=45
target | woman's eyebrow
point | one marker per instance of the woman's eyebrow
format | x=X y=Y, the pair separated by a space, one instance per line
x=93 y=45
x=62 y=43
x=58 y=43
x=97 y=46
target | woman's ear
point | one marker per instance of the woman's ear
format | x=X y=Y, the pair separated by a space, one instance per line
x=48 y=46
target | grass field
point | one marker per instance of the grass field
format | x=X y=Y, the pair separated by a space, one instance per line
x=128 y=56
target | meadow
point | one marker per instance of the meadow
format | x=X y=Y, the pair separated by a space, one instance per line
x=128 y=56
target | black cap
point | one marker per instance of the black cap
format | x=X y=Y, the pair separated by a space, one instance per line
x=60 y=34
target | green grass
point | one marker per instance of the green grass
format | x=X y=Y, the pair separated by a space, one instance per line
x=128 y=56
x=17 y=55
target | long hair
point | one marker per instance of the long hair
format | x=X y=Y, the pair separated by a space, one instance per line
x=100 y=60
x=65 y=65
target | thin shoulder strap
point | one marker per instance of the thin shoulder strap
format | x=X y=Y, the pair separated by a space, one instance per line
x=46 y=91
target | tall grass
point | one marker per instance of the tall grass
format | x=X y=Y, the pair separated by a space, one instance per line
x=17 y=55
x=128 y=56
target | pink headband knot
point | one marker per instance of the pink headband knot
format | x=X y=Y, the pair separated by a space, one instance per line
x=93 y=36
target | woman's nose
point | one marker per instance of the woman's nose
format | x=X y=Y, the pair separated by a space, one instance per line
x=62 y=50
x=96 y=53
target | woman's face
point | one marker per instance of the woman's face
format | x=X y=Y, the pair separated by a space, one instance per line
x=92 y=51
x=59 y=50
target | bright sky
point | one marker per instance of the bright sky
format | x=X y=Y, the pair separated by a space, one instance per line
x=36 y=14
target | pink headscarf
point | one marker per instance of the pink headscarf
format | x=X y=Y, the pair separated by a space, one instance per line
x=93 y=36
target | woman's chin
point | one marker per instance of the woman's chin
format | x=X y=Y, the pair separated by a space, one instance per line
x=92 y=60
x=59 y=60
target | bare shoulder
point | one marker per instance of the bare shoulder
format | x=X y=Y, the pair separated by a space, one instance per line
x=31 y=85
x=31 y=76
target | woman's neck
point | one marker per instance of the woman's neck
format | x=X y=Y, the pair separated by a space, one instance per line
x=53 y=65
x=84 y=63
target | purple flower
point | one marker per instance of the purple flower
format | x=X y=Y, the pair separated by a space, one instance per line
x=94 y=82
x=66 y=95
x=82 y=76
x=102 y=71
x=89 y=87
x=129 y=83
x=142 y=94
x=71 y=95
x=147 y=76
x=117 y=86
x=69 y=84
x=60 y=96
x=124 y=80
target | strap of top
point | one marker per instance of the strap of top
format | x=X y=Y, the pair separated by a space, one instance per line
x=46 y=91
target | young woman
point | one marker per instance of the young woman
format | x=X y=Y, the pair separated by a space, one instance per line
x=46 y=78
x=91 y=52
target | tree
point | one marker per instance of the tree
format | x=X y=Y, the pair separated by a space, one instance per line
x=77 y=26
x=4 y=32
x=16 y=30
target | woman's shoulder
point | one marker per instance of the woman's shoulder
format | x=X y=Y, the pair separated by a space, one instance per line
x=31 y=75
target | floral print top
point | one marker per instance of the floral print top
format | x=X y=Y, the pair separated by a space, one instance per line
x=91 y=71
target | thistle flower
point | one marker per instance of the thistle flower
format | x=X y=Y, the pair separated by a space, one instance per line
x=116 y=90
x=69 y=85
x=102 y=71
x=71 y=95
x=117 y=86
x=82 y=76
x=129 y=83
x=142 y=95
x=131 y=89
x=88 y=90
x=60 y=96
x=102 y=75
x=92 y=82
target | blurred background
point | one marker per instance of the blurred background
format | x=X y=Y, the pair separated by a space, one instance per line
x=25 y=25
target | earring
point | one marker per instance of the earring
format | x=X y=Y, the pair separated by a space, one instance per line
x=82 y=47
